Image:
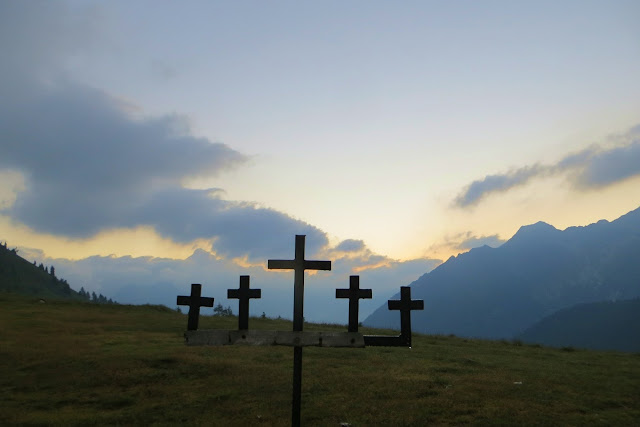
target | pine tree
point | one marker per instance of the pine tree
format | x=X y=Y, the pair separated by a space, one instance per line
x=219 y=310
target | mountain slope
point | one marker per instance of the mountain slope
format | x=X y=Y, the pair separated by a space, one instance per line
x=17 y=275
x=499 y=292
x=605 y=325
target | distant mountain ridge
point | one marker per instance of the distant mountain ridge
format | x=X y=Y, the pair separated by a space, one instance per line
x=500 y=292
x=608 y=325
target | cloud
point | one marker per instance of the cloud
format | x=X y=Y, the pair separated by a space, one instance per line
x=610 y=166
x=350 y=245
x=86 y=161
x=591 y=168
x=88 y=165
x=240 y=228
x=479 y=189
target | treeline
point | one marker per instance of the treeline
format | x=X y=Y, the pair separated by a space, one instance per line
x=218 y=310
x=97 y=299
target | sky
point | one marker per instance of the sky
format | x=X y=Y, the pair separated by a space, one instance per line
x=148 y=145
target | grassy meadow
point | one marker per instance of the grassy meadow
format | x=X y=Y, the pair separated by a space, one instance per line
x=74 y=363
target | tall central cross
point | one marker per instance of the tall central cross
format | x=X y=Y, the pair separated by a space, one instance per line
x=299 y=265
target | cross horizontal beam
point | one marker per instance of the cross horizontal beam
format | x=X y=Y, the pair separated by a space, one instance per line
x=285 y=338
x=289 y=264
x=384 y=341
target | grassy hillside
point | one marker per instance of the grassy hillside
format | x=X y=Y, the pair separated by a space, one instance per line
x=72 y=363
x=18 y=275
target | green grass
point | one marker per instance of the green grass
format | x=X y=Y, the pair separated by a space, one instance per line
x=70 y=363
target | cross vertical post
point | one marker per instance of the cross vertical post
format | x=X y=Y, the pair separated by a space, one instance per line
x=354 y=293
x=405 y=305
x=243 y=294
x=194 y=301
x=299 y=265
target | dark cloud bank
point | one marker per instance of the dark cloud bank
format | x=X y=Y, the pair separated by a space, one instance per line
x=90 y=166
x=592 y=168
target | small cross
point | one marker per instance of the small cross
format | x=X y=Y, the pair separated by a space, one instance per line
x=243 y=294
x=299 y=265
x=194 y=301
x=405 y=305
x=354 y=293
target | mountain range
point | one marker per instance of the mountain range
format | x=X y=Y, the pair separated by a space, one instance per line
x=608 y=325
x=499 y=293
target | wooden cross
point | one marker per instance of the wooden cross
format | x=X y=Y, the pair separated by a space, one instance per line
x=354 y=293
x=243 y=294
x=405 y=305
x=299 y=265
x=194 y=301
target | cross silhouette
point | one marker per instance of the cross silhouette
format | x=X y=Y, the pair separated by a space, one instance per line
x=243 y=294
x=194 y=301
x=299 y=265
x=405 y=305
x=354 y=293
